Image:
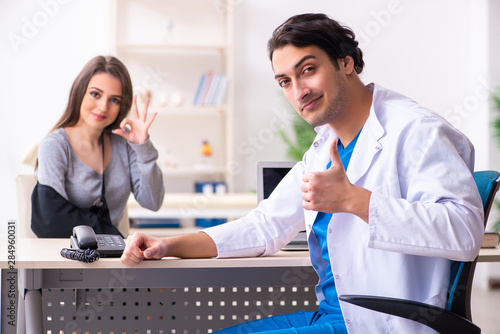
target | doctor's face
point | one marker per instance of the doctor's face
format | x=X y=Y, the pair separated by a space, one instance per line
x=316 y=89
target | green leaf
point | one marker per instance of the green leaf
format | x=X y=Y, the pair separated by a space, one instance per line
x=304 y=135
x=496 y=121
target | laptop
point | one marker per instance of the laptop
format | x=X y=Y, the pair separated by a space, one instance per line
x=269 y=175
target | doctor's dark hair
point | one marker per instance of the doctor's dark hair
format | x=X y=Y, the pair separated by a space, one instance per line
x=99 y=64
x=319 y=30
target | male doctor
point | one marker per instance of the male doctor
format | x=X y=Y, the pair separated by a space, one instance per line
x=385 y=192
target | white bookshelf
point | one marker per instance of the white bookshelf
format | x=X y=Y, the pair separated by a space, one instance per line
x=167 y=46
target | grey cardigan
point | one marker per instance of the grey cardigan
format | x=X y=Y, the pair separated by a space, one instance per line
x=132 y=168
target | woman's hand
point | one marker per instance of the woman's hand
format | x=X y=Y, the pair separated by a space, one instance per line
x=135 y=130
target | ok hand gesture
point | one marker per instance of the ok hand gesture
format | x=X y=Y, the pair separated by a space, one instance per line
x=135 y=130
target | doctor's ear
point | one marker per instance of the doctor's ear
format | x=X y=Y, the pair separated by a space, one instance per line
x=347 y=63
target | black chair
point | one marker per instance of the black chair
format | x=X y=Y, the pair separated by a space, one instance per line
x=456 y=317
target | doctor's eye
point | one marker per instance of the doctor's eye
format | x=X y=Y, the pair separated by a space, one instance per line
x=283 y=83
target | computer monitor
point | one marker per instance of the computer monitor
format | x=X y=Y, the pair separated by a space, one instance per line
x=269 y=174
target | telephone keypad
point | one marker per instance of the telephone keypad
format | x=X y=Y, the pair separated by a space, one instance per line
x=110 y=245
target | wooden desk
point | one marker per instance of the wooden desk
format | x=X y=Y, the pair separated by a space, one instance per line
x=41 y=268
x=489 y=255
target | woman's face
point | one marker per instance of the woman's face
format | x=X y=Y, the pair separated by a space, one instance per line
x=101 y=102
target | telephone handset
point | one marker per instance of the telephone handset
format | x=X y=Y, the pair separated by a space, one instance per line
x=83 y=237
x=86 y=246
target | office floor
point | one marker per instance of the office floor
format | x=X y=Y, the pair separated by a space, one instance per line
x=486 y=310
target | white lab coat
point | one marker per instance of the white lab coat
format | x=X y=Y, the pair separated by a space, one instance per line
x=424 y=211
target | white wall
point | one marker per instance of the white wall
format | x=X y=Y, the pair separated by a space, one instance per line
x=435 y=52
x=44 y=44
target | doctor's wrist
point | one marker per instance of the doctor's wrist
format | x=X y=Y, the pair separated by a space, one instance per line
x=360 y=203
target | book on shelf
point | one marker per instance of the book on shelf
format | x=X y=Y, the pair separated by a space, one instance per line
x=206 y=86
x=214 y=86
x=490 y=240
x=199 y=89
x=212 y=89
x=221 y=92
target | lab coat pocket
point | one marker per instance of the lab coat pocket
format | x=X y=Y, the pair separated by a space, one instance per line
x=364 y=229
x=399 y=325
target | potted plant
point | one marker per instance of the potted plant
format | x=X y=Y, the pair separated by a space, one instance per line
x=304 y=135
x=496 y=126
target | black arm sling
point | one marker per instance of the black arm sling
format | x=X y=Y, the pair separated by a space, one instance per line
x=53 y=216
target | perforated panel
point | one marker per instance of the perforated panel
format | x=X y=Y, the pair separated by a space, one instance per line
x=167 y=310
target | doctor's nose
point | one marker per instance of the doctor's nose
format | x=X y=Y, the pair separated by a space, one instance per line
x=300 y=91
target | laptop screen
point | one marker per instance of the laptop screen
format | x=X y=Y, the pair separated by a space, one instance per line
x=269 y=174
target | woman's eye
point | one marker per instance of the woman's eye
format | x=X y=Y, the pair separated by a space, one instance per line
x=115 y=101
x=94 y=94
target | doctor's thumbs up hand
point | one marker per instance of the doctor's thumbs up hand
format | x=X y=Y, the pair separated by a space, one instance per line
x=324 y=191
x=331 y=191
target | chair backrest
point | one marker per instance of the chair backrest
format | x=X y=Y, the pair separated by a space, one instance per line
x=459 y=298
x=125 y=224
x=488 y=182
x=25 y=184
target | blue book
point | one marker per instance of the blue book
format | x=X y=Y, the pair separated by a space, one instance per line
x=221 y=91
x=196 y=100
x=155 y=222
x=204 y=91
x=213 y=90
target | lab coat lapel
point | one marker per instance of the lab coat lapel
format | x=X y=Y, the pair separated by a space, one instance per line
x=321 y=146
x=367 y=147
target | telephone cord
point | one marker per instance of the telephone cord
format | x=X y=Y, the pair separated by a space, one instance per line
x=87 y=255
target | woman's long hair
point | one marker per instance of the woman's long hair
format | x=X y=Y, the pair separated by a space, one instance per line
x=99 y=64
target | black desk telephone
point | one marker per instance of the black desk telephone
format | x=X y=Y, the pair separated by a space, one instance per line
x=86 y=246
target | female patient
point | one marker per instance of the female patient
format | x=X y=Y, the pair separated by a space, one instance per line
x=94 y=156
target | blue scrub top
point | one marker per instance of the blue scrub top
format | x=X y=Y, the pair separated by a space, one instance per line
x=330 y=304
